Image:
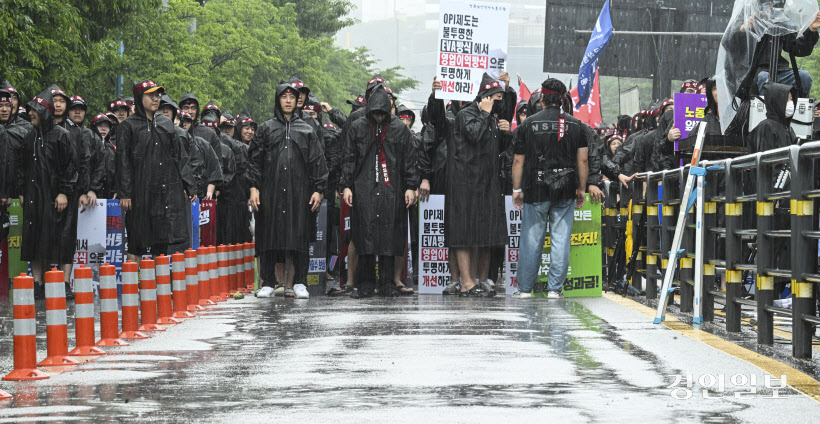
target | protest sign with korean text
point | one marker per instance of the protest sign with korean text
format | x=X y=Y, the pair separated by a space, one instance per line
x=689 y=110
x=472 y=39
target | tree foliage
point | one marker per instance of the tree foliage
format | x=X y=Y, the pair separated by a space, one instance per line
x=232 y=51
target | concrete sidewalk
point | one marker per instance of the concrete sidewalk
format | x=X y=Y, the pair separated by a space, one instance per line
x=413 y=359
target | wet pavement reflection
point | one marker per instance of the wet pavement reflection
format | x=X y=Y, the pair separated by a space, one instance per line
x=417 y=358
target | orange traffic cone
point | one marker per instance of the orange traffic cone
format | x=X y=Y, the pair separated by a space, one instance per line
x=148 y=297
x=248 y=268
x=192 y=281
x=180 y=286
x=164 y=305
x=84 y=314
x=25 y=336
x=4 y=395
x=56 y=322
x=222 y=267
x=213 y=273
x=130 y=302
x=109 y=310
x=204 y=281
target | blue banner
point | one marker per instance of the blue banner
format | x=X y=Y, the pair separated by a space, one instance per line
x=589 y=64
x=195 y=225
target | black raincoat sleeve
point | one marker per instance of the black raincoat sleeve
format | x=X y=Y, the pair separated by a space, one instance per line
x=317 y=167
x=124 y=164
x=438 y=114
x=596 y=154
x=83 y=151
x=333 y=158
x=642 y=154
x=429 y=144
x=338 y=118
x=663 y=153
x=475 y=126
x=423 y=165
x=213 y=171
x=350 y=158
x=184 y=165
x=97 y=184
x=609 y=168
x=410 y=173
x=510 y=102
x=801 y=46
x=6 y=168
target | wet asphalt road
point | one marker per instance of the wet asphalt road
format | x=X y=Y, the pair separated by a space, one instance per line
x=413 y=359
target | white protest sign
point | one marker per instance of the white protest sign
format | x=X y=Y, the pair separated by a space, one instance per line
x=472 y=39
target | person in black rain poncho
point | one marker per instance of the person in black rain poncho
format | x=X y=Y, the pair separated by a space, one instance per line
x=775 y=131
x=155 y=182
x=474 y=206
x=46 y=181
x=287 y=175
x=379 y=200
x=76 y=113
x=104 y=184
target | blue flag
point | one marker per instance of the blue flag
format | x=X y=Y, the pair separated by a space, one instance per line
x=597 y=44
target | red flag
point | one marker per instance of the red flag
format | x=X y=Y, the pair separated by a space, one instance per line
x=523 y=94
x=589 y=113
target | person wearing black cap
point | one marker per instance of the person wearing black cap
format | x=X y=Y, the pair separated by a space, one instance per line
x=304 y=93
x=120 y=109
x=154 y=179
x=549 y=181
x=663 y=144
x=46 y=178
x=378 y=217
x=287 y=175
x=76 y=113
x=103 y=183
x=474 y=217
x=15 y=98
x=208 y=131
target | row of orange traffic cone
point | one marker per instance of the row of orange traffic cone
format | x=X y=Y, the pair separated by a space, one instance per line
x=169 y=289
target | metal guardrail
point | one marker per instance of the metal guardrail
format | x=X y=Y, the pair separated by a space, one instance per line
x=760 y=219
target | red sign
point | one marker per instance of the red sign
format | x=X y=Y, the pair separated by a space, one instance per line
x=207 y=223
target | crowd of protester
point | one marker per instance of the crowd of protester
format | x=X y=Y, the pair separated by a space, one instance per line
x=156 y=155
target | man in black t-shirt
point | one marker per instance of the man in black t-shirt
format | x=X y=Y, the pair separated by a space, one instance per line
x=549 y=181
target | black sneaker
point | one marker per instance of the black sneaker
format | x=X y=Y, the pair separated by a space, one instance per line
x=69 y=294
x=39 y=291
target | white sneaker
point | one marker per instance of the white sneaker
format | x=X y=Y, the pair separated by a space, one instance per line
x=266 y=291
x=301 y=291
x=490 y=283
x=522 y=295
x=555 y=294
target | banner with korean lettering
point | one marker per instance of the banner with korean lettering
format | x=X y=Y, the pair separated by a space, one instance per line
x=472 y=39
x=317 y=279
x=91 y=239
x=114 y=225
x=584 y=274
x=207 y=223
x=434 y=268
x=15 y=238
x=689 y=110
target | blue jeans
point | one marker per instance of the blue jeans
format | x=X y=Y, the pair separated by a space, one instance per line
x=788 y=79
x=560 y=215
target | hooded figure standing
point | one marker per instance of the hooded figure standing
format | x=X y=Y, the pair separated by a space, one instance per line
x=379 y=200
x=46 y=181
x=775 y=131
x=155 y=181
x=474 y=205
x=287 y=175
